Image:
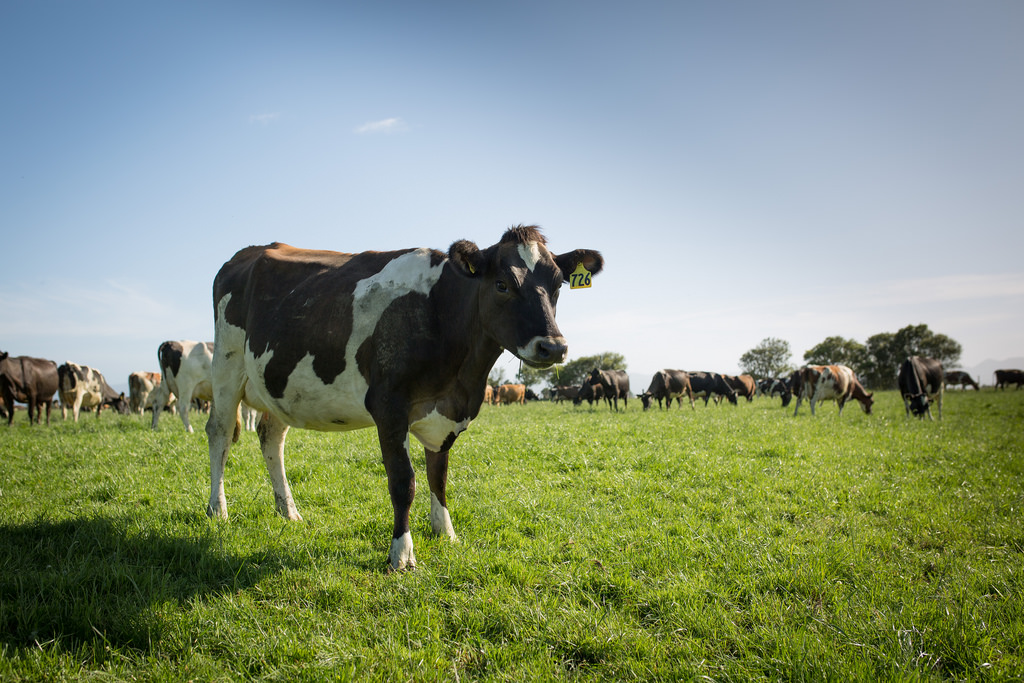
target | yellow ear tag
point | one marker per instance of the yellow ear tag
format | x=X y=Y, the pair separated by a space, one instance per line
x=472 y=270
x=579 y=278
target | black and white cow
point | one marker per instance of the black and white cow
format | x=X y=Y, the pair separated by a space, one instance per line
x=186 y=367
x=400 y=340
x=707 y=384
x=921 y=381
x=83 y=387
x=668 y=385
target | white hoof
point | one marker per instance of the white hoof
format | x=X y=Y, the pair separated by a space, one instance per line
x=401 y=555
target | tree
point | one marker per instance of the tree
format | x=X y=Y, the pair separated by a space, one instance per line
x=887 y=350
x=770 y=358
x=576 y=371
x=839 y=351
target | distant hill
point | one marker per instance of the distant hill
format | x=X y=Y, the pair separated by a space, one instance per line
x=984 y=371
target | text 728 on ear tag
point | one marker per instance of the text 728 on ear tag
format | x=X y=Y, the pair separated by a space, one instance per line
x=579 y=278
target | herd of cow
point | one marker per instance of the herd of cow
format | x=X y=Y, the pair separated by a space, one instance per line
x=400 y=340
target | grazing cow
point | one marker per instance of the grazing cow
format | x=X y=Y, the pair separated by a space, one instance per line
x=831 y=382
x=707 y=384
x=588 y=392
x=1004 y=377
x=401 y=340
x=615 y=384
x=186 y=366
x=921 y=381
x=772 y=386
x=511 y=393
x=140 y=387
x=32 y=381
x=743 y=385
x=488 y=394
x=83 y=387
x=668 y=385
x=961 y=379
x=565 y=392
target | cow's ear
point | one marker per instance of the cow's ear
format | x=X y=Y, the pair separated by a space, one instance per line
x=466 y=257
x=591 y=260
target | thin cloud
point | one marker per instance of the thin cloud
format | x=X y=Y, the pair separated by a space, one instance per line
x=264 y=119
x=392 y=125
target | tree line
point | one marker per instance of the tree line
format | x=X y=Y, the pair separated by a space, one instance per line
x=876 y=361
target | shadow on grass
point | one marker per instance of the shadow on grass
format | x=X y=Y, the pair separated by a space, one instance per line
x=92 y=583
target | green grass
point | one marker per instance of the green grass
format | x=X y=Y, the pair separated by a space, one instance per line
x=728 y=543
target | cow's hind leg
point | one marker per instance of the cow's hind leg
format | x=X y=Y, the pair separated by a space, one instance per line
x=437 y=477
x=272 y=432
x=219 y=429
x=184 y=404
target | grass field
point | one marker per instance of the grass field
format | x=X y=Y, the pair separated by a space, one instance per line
x=732 y=543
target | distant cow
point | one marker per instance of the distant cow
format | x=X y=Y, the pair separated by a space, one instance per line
x=511 y=393
x=667 y=385
x=921 y=381
x=743 y=385
x=140 y=386
x=615 y=384
x=708 y=384
x=831 y=382
x=564 y=392
x=488 y=394
x=186 y=367
x=83 y=387
x=588 y=392
x=961 y=379
x=1004 y=377
x=401 y=340
x=32 y=381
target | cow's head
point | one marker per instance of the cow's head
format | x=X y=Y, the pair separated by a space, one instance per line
x=519 y=284
x=918 y=403
x=645 y=399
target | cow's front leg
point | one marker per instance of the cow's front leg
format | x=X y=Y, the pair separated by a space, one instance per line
x=437 y=477
x=272 y=432
x=394 y=446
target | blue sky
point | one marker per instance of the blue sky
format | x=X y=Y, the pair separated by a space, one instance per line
x=749 y=169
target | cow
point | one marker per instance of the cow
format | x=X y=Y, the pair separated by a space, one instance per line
x=770 y=386
x=830 y=382
x=401 y=340
x=511 y=393
x=668 y=385
x=707 y=384
x=564 y=392
x=615 y=384
x=28 y=380
x=588 y=392
x=488 y=394
x=140 y=388
x=961 y=379
x=1004 y=377
x=921 y=381
x=186 y=367
x=743 y=385
x=81 y=386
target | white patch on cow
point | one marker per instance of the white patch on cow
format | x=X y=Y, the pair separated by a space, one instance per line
x=531 y=254
x=440 y=520
x=401 y=555
x=434 y=429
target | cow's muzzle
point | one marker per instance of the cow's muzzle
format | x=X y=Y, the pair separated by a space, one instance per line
x=543 y=352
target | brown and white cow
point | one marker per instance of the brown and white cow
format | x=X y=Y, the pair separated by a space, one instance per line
x=28 y=380
x=511 y=393
x=186 y=367
x=1004 y=377
x=140 y=388
x=401 y=340
x=615 y=384
x=83 y=387
x=743 y=385
x=667 y=385
x=831 y=382
x=921 y=381
x=961 y=379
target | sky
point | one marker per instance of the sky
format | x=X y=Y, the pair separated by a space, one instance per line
x=792 y=169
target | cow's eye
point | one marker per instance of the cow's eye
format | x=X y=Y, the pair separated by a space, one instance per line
x=501 y=286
